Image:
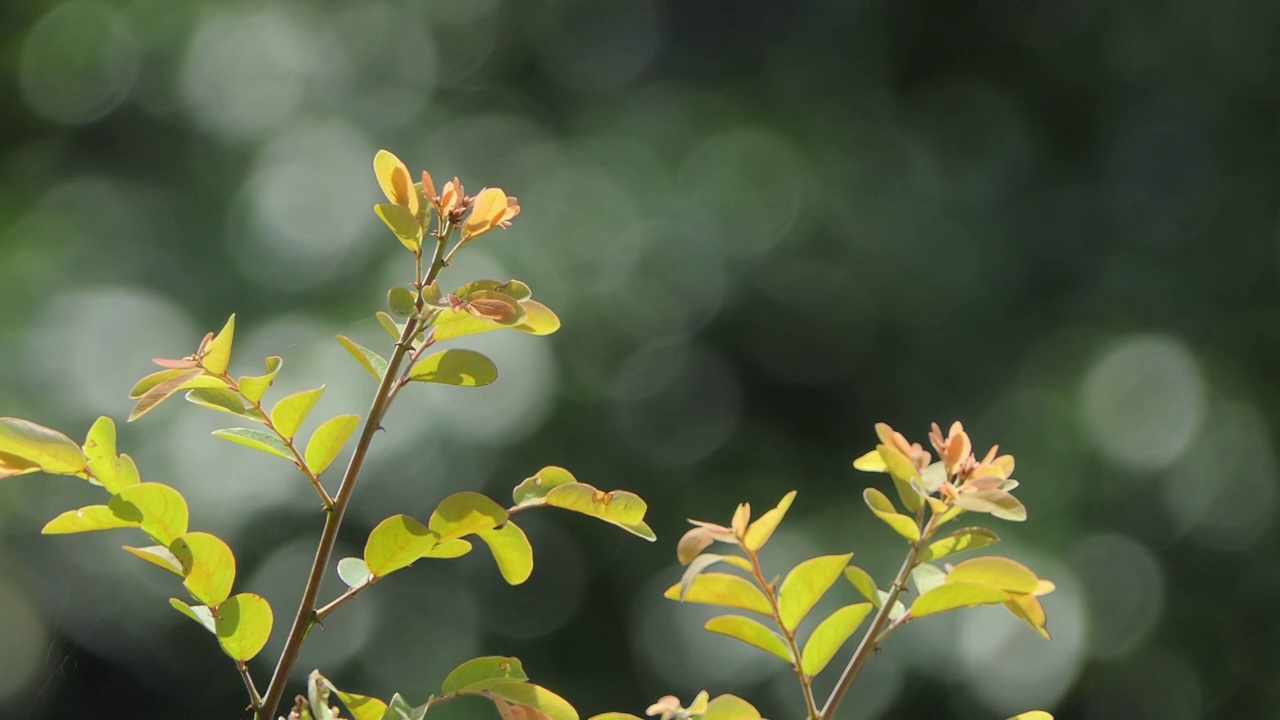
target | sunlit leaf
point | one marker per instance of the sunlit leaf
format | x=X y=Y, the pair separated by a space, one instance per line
x=723 y=590
x=402 y=224
x=161 y=510
x=208 y=566
x=27 y=447
x=621 y=508
x=217 y=356
x=327 y=441
x=354 y=572
x=361 y=707
x=536 y=697
x=933 y=476
x=614 y=716
x=463 y=368
x=402 y=301
x=511 y=551
x=927 y=577
x=831 y=635
x=388 y=323
x=196 y=380
x=1030 y=611
x=448 y=549
x=730 y=707
x=395 y=543
x=970 y=538
x=161 y=391
x=399 y=709
x=883 y=509
x=805 y=585
x=871 y=462
x=222 y=400
x=253 y=388
x=762 y=529
x=372 y=362
x=465 y=513
x=157 y=555
x=89 y=519
x=692 y=543
x=702 y=562
x=538 y=319
x=997 y=572
x=1032 y=715
x=256 y=439
x=486 y=211
x=535 y=488
x=200 y=613
x=127 y=476
x=864 y=583
x=289 y=414
x=482 y=672
x=99 y=453
x=396 y=182
x=750 y=632
x=243 y=625
x=996 y=503
x=956 y=595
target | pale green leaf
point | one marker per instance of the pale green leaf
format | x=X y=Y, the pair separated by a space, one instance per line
x=176 y=381
x=830 y=635
x=759 y=532
x=27 y=447
x=243 y=625
x=465 y=513
x=538 y=319
x=997 y=572
x=402 y=223
x=927 y=577
x=256 y=439
x=463 y=368
x=723 y=590
x=730 y=707
x=253 y=388
x=208 y=566
x=970 y=538
x=354 y=572
x=805 y=585
x=533 y=489
x=200 y=613
x=217 y=356
x=89 y=519
x=372 y=362
x=327 y=441
x=536 y=697
x=1028 y=609
x=401 y=301
x=289 y=414
x=511 y=551
x=157 y=555
x=883 y=509
x=702 y=562
x=752 y=633
x=388 y=323
x=161 y=510
x=222 y=400
x=395 y=543
x=933 y=476
x=864 y=583
x=195 y=380
x=996 y=503
x=482 y=672
x=950 y=596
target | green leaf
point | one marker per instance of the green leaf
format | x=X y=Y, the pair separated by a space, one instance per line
x=388 y=323
x=354 y=572
x=1032 y=715
x=100 y=453
x=199 y=613
x=702 y=562
x=372 y=362
x=759 y=532
x=1028 y=609
x=619 y=507
x=327 y=441
x=830 y=635
x=171 y=384
x=752 y=633
x=465 y=513
x=208 y=566
x=723 y=590
x=927 y=577
x=399 y=709
x=396 y=543
x=538 y=319
x=464 y=368
x=198 y=380
x=481 y=673
x=970 y=538
x=89 y=519
x=288 y=414
x=805 y=585
x=402 y=301
x=157 y=555
x=253 y=388
x=614 y=716
x=873 y=461
x=221 y=399
x=448 y=550
x=956 y=595
x=864 y=583
x=217 y=356
x=243 y=625
x=362 y=707
x=883 y=509
x=535 y=488
x=26 y=447
x=997 y=572
x=402 y=223
x=730 y=707
x=511 y=551
x=996 y=503
x=536 y=697
x=127 y=477
x=162 y=511
x=256 y=439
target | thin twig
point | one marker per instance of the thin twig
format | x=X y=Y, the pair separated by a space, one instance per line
x=805 y=682
x=255 y=700
x=337 y=602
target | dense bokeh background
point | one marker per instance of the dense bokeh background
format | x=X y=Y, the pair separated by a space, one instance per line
x=766 y=226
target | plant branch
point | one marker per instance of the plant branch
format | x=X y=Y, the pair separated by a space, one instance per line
x=322 y=613
x=305 y=617
x=255 y=700
x=806 y=684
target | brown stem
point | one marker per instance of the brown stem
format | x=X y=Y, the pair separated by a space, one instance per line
x=255 y=700
x=806 y=684
x=322 y=613
x=305 y=618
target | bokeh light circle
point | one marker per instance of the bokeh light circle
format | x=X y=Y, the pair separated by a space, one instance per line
x=1123 y=589
x=78 y=63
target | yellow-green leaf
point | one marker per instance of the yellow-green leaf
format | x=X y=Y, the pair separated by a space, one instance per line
x=217 y=356
x=759 y=532
x=1029 y=610
x=830 y=635
x=464 y=368
x=155 y=379
x=388 y=323
x=970 y=538
x=372 y=362
x=128 y=475
x=208 y=566
x=864 y=583
x=536 y=697
x=956 y=595
x=482 y=672
x=157 y=555
x=723 y=590
x=289 y=414
x=395 y=181
x=327 y=441
x=395 y=543
x=997 y=572
x=614 y=716
x=730 y=707
x=27 y=447
x=253 y=388
x=621 y=508
x=89 y=519
x=200 y=613
x=402 y=224
x=362 y=707
x=1032 y=715
x=162 y=390
x=883 y=509
x=805 y=585
x=996 y=503
x=222 y=400
x=448 y=549
x=702 y=562
x=465 y=513
x=162 y=511
x=100 y=453
x=243 y=625
x=752 y=633
x=871 y=462
x=535 y=488
x=256 y=439
x=538 y=319
x=511 y=551
x=402 y=301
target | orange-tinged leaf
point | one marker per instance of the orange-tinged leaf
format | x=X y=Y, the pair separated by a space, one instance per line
x=160 y=392
x=723 y=590
x=752 y=633
x=533 y=696
x=489 y=209
x=997 y=503
x=692 y=543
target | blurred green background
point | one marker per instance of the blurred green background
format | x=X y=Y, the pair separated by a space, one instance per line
x=766 y=226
